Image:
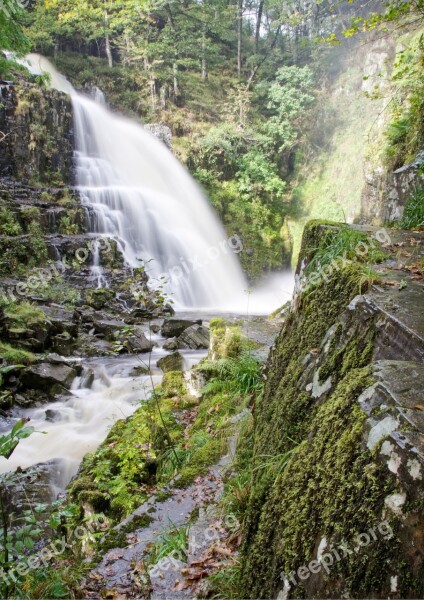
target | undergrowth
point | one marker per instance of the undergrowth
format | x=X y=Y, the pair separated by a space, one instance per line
x=413 y=216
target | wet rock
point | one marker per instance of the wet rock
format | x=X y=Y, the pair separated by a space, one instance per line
x=88 y=345
x=195 y=337
x=63 y=344
x=31 y=398
x=175 y=327
x=99 y=298
x=26 y=488
x=109 y=328
x=140 y=371
x=164 y=577
x=62 y=320
x=171 y=344
x=155 y=328
x=51 y=379
x=138 y=342
x=52 y=415
x=87 y=379
x=172 y=362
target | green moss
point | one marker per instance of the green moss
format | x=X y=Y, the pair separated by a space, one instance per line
x=306 y=472
x=330 y=488
x=173 y=384
x=200 y=461
x=14 y=356
x=24 y=315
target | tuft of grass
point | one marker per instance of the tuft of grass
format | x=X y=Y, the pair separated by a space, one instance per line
x=238 y=376
x=173 y=542
x=332 y=244
x=413 y=215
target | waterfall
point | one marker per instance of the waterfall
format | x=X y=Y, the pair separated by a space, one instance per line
x=145 y=199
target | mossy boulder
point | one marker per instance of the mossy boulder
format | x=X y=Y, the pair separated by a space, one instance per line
x=172 y=362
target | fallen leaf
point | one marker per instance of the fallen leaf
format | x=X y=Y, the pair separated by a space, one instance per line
x=419 y=406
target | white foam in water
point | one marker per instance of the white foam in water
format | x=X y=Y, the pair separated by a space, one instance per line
x=80 y=423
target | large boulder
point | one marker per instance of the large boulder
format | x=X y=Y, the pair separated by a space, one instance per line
x=172 y=362
x=62 y=320
x=108 y=327
x=49 y=378
x=195 y=337
x=138 y=342
x=171 y=344
x=175 y=327
x=63 y=344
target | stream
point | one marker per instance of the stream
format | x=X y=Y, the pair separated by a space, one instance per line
x=77 y=424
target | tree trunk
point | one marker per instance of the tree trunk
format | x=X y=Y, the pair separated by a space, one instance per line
x=107 y=42
x=56 y=47
x=258 y=24
x=152 y=84
x=175 y=75
x=204 y=71
x=239 y=34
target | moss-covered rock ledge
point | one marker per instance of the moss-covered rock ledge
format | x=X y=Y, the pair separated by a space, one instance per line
x=336 y=501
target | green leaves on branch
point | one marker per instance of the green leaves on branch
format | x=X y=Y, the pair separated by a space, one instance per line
x=9 y=442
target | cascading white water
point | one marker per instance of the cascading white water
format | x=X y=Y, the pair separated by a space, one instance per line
x=141 y=195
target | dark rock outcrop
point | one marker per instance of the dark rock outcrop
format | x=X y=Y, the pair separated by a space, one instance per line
x=175 y=327
x=195 y=337
x=39 y=135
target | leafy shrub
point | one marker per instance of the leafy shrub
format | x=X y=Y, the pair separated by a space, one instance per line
x=8 y=223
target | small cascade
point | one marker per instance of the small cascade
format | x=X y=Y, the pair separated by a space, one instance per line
x=97 y=273
x=52 y=220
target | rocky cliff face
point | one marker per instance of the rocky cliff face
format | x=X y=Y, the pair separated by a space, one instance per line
x=336 y=507
x=37 y=144
x=385 y=194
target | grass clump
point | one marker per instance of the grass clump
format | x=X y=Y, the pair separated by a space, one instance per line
x=24 y=315
x=14 y=356
x=173 y=541
x=413 y=215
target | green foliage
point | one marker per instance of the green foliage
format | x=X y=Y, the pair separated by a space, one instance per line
x=8 y=223
x=288 y=98
x=237 y=376
x=413 y=215
x=10 y=441
x=327 y=243
x=11 y=34
x=405 y=133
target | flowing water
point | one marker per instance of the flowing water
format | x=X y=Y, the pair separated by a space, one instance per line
x=138 y=193
x=141 y=195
